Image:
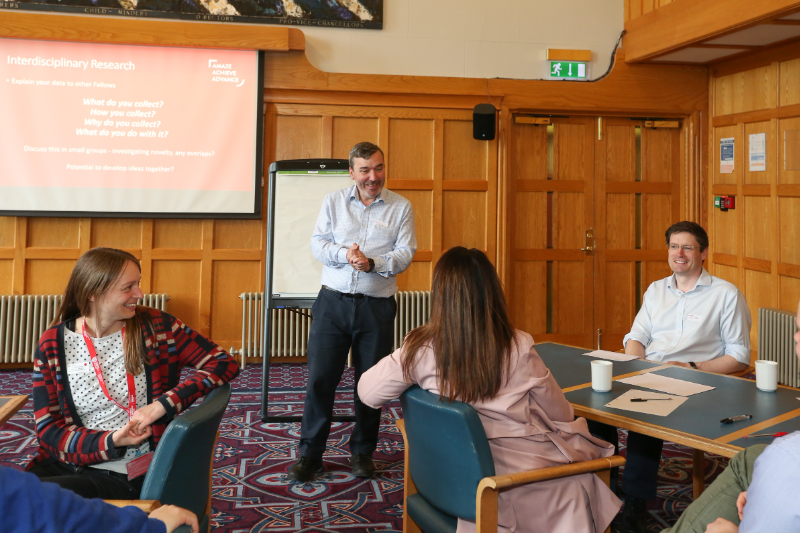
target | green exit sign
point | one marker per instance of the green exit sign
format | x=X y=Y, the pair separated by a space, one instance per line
x=568 y=70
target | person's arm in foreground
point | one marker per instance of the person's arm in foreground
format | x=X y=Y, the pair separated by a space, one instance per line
x=383 y=382
x=215 y=367
x=28 y=506
x=638 y=339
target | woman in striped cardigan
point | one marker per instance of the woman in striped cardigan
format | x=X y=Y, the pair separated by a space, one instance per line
x=106 y=379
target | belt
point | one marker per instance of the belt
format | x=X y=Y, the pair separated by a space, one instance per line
x=354 y=295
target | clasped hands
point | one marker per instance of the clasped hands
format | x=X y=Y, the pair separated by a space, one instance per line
x=138 y=427
x=357 y=259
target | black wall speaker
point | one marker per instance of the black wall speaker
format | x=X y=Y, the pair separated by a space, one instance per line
x=483 y=118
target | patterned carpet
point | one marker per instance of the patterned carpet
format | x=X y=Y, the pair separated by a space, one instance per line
x=251 y=492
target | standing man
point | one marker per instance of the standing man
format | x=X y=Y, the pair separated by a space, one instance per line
x=364 y=238
x=690 y=319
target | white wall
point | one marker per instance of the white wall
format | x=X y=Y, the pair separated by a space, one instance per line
x=470 y=38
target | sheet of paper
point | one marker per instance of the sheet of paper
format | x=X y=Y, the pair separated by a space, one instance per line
x=758 y=152
x=658 y=407
x=726 y=154
x=651 y=380
x=611 y=356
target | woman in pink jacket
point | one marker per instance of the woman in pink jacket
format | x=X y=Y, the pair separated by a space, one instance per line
x=470 y=352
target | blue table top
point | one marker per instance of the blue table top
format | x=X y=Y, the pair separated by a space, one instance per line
x=700 y=415
x=571 y=368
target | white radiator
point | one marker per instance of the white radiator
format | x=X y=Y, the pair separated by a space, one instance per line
x=776 y=329
x=290 y=327
x=413 y=310
x=23 y=319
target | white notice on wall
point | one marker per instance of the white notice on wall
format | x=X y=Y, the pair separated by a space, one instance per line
x=758 y=152
x=726 y=150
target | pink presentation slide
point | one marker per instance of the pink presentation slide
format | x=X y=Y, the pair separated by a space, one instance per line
x=79 y=115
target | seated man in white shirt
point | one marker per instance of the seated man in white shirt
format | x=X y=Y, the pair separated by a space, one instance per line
x=690 y=319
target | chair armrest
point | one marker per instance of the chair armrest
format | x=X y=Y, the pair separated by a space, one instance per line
x=486 y=497
x=148 y=506
x=552 y=472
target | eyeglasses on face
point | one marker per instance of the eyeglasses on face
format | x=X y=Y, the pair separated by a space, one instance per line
x=686 y=247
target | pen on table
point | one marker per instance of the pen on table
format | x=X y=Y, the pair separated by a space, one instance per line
x=649 y=399
x=778 y=434
x=732 y=419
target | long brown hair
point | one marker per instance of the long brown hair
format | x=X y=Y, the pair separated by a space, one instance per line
x=94 y=273
x=469 y=329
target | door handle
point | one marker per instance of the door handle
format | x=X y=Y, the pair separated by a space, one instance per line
x=588 y=240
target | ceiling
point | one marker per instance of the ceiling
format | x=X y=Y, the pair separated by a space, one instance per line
x=736 y=42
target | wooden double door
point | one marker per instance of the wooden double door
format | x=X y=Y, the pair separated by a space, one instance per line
x=589 y=201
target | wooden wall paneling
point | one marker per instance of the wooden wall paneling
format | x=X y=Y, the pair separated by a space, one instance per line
x=789 y=88
x=123 y=233
x=728 y=273
x=788 y=233
x=181 y=280
x=504 y=204
x=47 y=276
x=760 y=288
x=746 y=91
x=181 y=234
x=789 y=293
x=347 y=131
x=206 y=278
x=786 y=176
x=52 y=232
x=6 y=276
x=146 y=260
x=238 y=234
x=229 y=280
x=298 y=137
x=7 y=227
x=411 y=143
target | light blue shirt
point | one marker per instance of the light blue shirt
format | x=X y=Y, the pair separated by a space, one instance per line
x=384 y=231
x=708 y=321
x=773 y=497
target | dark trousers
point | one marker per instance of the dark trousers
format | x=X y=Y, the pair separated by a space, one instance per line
x=91 y=482
x=340 y=322
x=641 y=460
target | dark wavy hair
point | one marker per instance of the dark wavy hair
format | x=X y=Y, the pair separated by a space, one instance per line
x=469 y=329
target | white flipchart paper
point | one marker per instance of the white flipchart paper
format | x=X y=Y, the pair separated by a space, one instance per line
x=611 y=356
x=654 y=381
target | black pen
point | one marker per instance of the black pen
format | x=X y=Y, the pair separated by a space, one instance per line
x=732 y=419
x=648 y=399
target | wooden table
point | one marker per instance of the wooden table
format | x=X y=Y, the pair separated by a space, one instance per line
x=9 y=405
x=695 y=423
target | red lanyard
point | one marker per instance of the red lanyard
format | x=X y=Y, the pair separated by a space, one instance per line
x=96 y=365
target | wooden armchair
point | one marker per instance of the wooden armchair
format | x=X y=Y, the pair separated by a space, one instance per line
x=180 y=473
x=449 y=471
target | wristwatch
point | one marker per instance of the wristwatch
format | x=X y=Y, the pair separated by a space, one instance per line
x=693 y=365
x=371 y=265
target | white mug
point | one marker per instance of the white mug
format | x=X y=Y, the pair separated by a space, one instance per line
x=766 y=375
x=601 y=375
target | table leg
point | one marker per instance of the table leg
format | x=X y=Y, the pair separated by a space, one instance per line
x=698 y=472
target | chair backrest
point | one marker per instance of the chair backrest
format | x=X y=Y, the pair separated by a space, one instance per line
x=179 y=472
x=448 y=451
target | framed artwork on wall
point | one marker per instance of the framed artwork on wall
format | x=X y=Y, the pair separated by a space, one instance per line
x=354 y=14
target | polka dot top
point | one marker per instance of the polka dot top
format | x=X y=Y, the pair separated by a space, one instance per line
x=94 y=409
